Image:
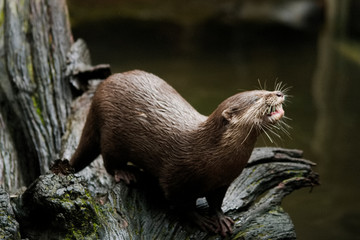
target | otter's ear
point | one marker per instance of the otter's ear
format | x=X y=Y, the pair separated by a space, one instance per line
x=228 y=114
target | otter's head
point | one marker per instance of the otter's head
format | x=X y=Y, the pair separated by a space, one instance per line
x=254 y=112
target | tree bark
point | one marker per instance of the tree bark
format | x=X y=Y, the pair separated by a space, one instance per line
x=36 y=37
x=42 y=70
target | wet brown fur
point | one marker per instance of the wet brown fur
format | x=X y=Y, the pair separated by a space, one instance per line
x=137 y=117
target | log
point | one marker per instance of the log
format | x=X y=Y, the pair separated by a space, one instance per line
x=9 y=227
x=44 y=74
x=65 y=208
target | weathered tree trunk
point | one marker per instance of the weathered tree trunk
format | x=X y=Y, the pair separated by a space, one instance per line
x=40 y=122
x=35 y=93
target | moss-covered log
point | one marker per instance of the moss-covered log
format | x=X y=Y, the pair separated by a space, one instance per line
x=69 y=207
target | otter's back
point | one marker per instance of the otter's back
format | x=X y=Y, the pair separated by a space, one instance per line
x=142 y=115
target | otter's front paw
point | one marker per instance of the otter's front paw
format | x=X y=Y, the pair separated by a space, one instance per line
x=218 y=223
x=224 y=224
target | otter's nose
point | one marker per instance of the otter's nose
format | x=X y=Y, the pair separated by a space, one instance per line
x=279 y=94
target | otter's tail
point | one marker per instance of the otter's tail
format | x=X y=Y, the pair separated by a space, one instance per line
x=89 y=146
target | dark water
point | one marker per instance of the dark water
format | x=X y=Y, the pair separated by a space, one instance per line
x=209 y=64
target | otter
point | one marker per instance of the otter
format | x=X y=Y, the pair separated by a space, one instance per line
x=137 y=117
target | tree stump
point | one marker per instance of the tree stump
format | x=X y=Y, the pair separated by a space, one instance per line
x=43 y=75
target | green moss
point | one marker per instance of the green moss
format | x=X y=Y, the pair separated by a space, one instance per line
x=85 y=224
x=38 y=109
x=80 y=215
x=79 y=233
x=277 y=210
x=30 y=68
x=296 y=175
x=246 y=231
x=2 y=16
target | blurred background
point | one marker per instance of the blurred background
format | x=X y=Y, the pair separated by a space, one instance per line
x=210 y=49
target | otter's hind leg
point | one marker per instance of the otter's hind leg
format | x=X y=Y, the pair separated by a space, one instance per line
x=125 y=175
x=116 y=164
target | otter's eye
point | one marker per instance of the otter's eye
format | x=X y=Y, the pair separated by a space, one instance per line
x=279 y=94
x=255 y=99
